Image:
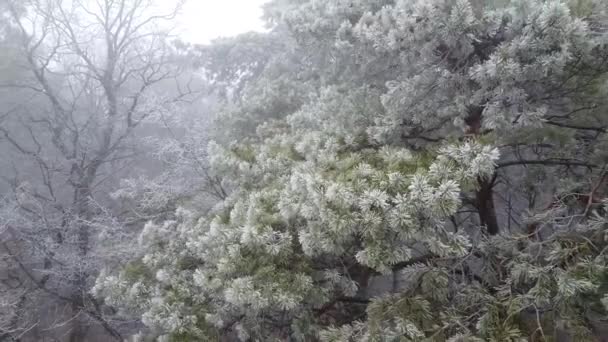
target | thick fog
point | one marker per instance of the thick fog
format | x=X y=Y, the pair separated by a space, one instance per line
x=303 y=170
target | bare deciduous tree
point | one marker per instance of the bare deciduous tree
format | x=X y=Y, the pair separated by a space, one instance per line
x=92 y=68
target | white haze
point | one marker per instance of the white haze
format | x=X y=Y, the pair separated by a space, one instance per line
x=204 y=20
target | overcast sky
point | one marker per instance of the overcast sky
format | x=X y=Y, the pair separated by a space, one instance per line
x=204 y=20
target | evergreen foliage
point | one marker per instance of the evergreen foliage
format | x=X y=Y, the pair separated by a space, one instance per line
x=455 y=150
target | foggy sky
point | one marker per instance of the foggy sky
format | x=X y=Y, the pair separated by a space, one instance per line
x=204 y=20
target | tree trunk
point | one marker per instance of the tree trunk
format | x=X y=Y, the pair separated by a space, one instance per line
x=485 y=206
x=79 y=331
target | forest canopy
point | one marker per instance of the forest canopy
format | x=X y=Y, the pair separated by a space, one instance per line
x=376 y=170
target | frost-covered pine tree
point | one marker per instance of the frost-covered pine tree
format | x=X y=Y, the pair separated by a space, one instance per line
x=409 y=170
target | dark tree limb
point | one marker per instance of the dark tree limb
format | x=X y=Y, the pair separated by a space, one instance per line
x=546 y=162
x=579 y=127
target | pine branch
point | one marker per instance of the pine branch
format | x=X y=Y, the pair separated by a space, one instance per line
x=546 y=162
